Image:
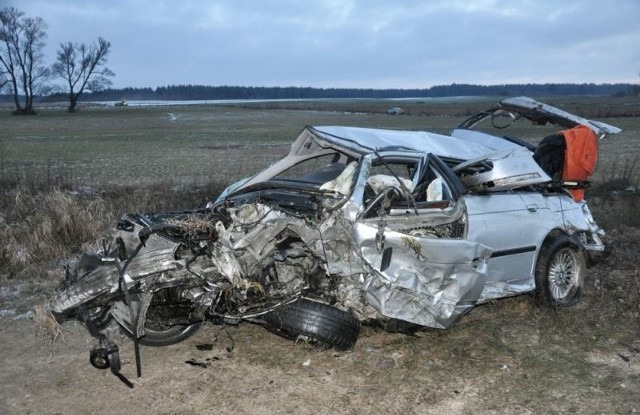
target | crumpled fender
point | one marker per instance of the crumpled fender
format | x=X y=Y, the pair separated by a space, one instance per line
x=155 y=257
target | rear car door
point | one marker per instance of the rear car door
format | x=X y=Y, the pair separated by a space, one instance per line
x=512 y=224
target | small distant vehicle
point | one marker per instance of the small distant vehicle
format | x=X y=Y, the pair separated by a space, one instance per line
x=121 y=103
x=395 y=111
x=400 y=229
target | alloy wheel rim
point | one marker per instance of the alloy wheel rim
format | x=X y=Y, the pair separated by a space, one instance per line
x=564 y=274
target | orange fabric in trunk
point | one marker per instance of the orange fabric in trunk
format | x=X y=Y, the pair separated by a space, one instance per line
x=580 y=157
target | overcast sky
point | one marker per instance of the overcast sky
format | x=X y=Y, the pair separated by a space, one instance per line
x=352 y=43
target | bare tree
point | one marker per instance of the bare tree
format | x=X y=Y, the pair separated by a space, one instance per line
x=22 y=41
x=4 y=80
x=83 y=68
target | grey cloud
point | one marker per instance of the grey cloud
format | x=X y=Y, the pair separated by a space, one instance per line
x=354 y=43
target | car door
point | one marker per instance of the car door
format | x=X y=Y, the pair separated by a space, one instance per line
x=512 y=224
x=421 y=269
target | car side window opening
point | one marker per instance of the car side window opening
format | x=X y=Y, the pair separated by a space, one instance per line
x=429 y=209
x=430 y=190
x=387 y=173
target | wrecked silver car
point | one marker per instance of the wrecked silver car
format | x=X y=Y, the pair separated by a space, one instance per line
x=400 y=229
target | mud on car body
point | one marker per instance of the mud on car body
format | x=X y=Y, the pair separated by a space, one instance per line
x=356 y=225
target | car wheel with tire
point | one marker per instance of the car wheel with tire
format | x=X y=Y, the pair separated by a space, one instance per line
x=315 y=322
x=560 y=272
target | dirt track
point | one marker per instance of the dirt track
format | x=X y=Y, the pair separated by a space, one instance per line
x=507 y=357
x=262 y=374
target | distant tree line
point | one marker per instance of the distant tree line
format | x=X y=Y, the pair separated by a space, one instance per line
x=25 y=76
x=202 y=92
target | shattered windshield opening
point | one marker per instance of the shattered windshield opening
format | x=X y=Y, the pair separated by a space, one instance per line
x=316 y=171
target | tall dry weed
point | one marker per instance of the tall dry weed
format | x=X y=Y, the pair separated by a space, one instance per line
x=39 y=227
x=621 y=174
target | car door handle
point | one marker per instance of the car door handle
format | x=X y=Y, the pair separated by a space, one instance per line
x=532 y=208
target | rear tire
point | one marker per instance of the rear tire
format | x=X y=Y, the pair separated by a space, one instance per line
x=318 y=323
x=560 y=271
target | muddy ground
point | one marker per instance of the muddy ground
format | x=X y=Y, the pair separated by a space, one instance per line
x=509 y=356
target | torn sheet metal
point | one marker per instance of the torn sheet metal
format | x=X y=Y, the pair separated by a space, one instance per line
x=155 y=257
x=502 y=170
x=252 y=239
x=428 y=281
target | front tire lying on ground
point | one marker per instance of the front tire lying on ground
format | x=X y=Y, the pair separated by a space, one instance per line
x=560 y=272
x=318 y=323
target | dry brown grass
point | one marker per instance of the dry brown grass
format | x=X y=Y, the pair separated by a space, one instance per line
x=47 y=327
x=195 y=227
x=40 y=227
x=37 y=227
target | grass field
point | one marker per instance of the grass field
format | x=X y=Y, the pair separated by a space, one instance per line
x=508 y=356
x=201 y=143
x=176 y=157
x=116 y=145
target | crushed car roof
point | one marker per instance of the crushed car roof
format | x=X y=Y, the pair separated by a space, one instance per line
x=368 y=140
x=460 y=145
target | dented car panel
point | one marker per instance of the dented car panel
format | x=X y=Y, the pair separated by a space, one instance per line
x=366 y=140
x=506 y=169
x=486 y=164
x=420 y=279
